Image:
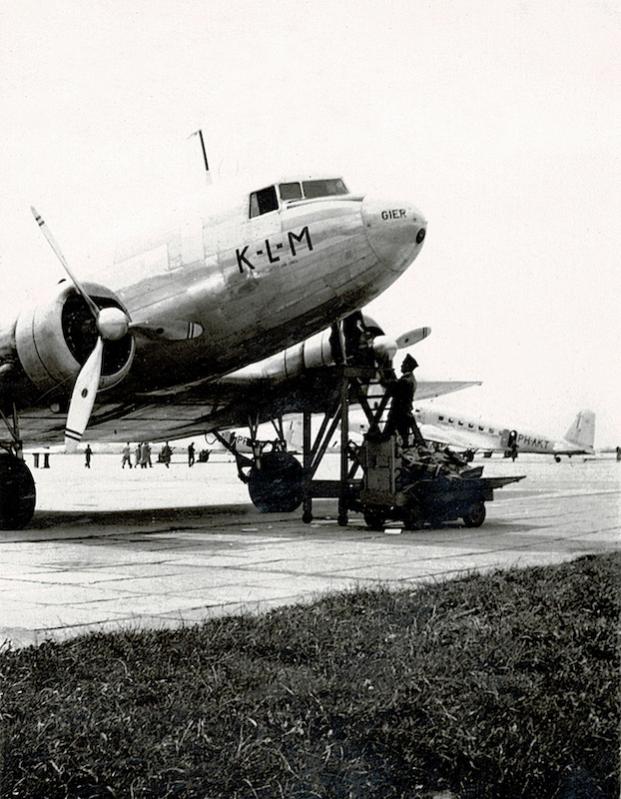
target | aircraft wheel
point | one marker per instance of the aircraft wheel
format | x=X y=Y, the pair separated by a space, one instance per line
x=476 y=515
x=18 y=495
x=277 y=486
x=374 y=519
x=557 y=458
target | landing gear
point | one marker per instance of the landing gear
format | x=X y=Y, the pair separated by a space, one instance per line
x=17 y=493
x=276 y=483
x=17 y=489
x=275 y=479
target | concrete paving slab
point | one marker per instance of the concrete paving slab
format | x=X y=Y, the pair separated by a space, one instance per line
x=177 y=547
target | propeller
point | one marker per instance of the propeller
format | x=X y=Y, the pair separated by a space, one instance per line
x=112 y=324
x=385 y=347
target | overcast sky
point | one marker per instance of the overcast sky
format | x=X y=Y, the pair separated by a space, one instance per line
x=499 y=120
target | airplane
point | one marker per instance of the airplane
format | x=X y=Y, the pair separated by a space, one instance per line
x=443 y=426
x=233 y=314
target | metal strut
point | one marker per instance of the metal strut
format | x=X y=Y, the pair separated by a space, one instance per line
x=353 y=386
x=15 y=445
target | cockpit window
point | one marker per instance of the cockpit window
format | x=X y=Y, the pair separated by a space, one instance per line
x=264 y=201
x=324 y=188
x=290 y=191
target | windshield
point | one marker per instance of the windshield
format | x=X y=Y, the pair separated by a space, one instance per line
x=324 y=188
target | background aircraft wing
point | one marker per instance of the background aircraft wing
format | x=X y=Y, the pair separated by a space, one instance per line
x=453 y=438
x=428 y=389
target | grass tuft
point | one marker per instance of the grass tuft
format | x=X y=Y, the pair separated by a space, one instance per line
x=505 y=685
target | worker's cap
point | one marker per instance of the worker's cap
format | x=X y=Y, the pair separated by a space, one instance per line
x=409 y=362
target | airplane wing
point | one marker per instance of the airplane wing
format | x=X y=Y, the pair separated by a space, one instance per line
x=457 y=439
x=428 y=389
x=205 y=406
x=304 y=377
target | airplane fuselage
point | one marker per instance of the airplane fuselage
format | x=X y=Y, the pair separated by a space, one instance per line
x=253 y=275
x=478 y=434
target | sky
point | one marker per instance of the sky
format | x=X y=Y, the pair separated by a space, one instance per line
x=499 y=120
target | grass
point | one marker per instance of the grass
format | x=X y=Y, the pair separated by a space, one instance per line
x=505 y=685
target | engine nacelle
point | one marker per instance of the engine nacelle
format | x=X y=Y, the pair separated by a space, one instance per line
x=55 y=338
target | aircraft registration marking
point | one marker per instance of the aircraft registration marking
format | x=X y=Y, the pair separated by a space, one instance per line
x=394 y=213
x=303 y=237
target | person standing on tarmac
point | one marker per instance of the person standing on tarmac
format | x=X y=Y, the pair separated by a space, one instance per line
x=191 y=457
x=127 y=458
x=166 y=454
x=400 y=417
x=87 y=456
x=144 y=455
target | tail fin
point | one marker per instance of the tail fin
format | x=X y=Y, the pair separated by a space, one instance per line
x=582 y=430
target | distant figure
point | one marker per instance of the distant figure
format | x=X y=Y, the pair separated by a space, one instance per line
x=87 y=456
x=400 y=417
x=144 y=455
x=149 y=464
x=166 y=454
x=137 y=452
x=127 y=458
x=619 y=453
x=191 y=457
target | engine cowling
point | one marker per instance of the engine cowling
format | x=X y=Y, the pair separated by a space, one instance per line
x=55 y=338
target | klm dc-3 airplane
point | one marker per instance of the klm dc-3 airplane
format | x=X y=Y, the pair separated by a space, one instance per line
x=234 y=314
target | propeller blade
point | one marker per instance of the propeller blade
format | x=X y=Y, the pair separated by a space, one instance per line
x=83 y=398
x=169 y=330
x=58 y=252
x=412 y=337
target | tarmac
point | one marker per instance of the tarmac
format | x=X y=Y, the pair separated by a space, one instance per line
x=156 y=548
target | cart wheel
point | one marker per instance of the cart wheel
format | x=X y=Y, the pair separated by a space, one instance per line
x=374 y=519
x=475 y=516
x=307 y=518
x=412 y=517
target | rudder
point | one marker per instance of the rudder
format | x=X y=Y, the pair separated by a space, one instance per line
x=582 y=430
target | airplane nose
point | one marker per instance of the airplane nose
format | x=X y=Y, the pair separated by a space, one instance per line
x=395 y=230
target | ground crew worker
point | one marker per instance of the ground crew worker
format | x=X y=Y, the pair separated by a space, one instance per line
x=191 y=457
x=144 y=455
x=137 y=454
x=87 y=456
x=400 y=417
x=127 y=458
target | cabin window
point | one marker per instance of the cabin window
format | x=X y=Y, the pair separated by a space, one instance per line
x=461 y=424
x=450 y=420
x=324 y=188
x=440 y=418
x=471 y=426
x=290 y=191
x=264 y=201
x=482 y=429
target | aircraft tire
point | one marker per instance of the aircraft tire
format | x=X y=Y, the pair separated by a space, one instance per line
x=18 y=495
x=476 y=515
x=277 y=486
